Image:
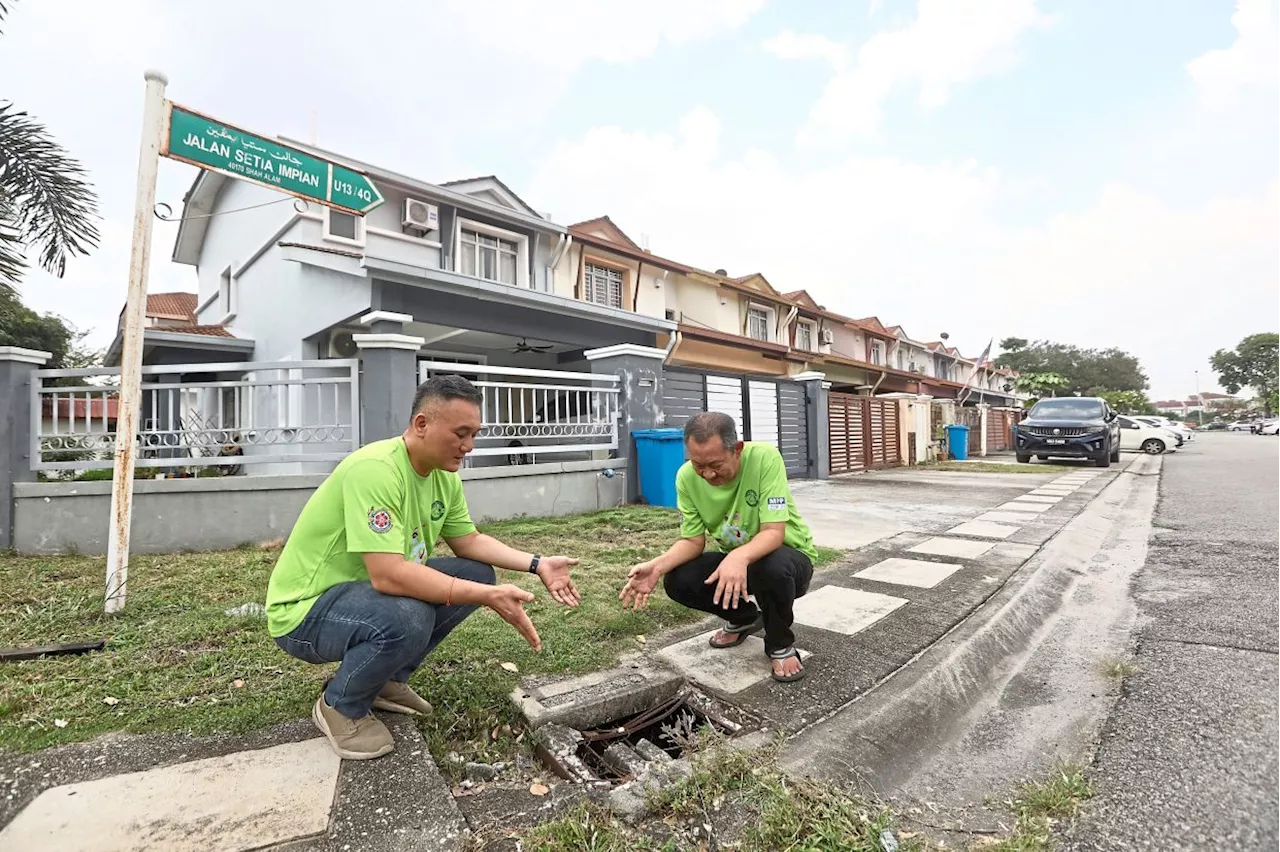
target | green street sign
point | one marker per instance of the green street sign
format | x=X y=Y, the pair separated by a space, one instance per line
x=214 y=145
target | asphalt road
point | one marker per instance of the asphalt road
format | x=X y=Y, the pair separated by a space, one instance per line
x=1188 y=759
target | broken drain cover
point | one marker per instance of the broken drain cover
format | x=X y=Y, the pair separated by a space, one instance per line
x=619 y=750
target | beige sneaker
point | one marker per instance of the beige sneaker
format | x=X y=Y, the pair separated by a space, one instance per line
x=352 y=739
x=399 y=698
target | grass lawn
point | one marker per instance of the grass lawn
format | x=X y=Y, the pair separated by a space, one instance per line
x=996 y=467
x=174 y=661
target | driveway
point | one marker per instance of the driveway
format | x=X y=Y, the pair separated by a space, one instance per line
x=860 y=509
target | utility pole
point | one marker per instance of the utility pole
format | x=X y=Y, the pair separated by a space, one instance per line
x=153 y=120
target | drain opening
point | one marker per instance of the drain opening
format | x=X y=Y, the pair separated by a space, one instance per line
x=620 y=750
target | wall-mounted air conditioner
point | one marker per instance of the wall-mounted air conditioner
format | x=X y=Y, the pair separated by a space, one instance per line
x=341 y=344
x=828 y=336
x=420 y=216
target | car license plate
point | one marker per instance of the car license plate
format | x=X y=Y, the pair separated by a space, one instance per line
x=1057 y=440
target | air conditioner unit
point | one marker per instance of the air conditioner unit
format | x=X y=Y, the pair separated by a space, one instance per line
x=341 y=344
x=828 y=336
x=421 y=216
x=913 y=367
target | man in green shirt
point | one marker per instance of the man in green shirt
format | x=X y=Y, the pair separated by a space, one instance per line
x=738 y=494
x=356 y=583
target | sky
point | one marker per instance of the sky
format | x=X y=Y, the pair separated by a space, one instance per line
x=1083 y=171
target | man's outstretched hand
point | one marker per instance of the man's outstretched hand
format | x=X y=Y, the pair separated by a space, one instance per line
x=554 y=573
x=508 y=601
x=642 y=579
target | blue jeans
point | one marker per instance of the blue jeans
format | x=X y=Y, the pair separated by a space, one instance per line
x=377 y=637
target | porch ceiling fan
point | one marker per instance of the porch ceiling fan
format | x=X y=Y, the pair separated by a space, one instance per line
x=524 y=346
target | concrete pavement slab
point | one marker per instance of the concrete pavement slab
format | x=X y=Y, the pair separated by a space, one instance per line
x=724 y=670
x=909 y=572
x=842 y=610
x=955 y=547
x=1023 y=506
x=1007 y=517
x=244 y=800
x=1053 y=492
x=1040 y=498
x=983 y=529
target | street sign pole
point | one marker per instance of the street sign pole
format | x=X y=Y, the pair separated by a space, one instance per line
x=154 y=117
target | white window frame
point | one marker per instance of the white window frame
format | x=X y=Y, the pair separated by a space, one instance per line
x=879 y=353
x=770 y=320
x=901 y=360
x=812 y=328
x=329 y=236
x=588 y=291
x=227 y=295
x=522 y=250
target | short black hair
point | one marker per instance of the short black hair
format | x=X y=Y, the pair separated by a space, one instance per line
x=443 y=389
x=706 y=425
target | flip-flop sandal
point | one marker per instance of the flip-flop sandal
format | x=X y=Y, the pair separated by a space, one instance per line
x=740 y=634
x=799 y=673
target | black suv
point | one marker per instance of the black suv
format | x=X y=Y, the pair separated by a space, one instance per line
x=1078 y=427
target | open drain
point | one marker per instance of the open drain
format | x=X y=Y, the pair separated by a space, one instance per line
x=621 y=750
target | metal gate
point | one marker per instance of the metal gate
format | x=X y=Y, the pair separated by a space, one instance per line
x=864 y=433
x=767 y=410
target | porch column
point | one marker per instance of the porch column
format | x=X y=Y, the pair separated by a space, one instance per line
x=639 y=372
x=984 y=410
x=819 y=438
x=948 y=408
x=17 y=366
x=921 y=410
x=388 y=375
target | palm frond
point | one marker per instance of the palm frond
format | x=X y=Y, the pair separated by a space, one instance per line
x=46 y=201
x=4 y=11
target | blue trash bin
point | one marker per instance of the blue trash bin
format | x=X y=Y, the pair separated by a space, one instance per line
x=958 y=441
x=659 y=455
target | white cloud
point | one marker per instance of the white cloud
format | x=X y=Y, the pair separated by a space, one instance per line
x=950 y=43
x=792 y=45
x=926 y=245
x=1222 y=75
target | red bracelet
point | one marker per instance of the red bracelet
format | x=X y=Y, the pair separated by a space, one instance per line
x=448 y=599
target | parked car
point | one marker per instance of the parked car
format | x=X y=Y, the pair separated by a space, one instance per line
x=1183 y=433
x=1080 y=427
x=1139 y=437
x=1271 y=427
x=1240 y=426
x=1216 y=426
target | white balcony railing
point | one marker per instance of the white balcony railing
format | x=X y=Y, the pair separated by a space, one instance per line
x=527 y=415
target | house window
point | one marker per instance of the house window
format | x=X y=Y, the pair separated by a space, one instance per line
x=902 y=360
x=758 y=323
x=488 y=257
x=804 y=336
x=603 y=285
x=342 y=227
x=877 y=352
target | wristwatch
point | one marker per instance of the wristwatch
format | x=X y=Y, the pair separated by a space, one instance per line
x=533 y=564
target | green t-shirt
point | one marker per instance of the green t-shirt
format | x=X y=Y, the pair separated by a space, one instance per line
x=732 y=514
x=373 y=502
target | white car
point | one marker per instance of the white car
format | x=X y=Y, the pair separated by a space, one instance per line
x=1139 y=437
x=1165 y=423
x=1270 y=428
x=1240 y=426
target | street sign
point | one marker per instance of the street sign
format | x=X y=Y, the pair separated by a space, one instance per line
x=210 y=144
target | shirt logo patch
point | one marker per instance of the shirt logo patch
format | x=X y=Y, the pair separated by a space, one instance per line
x=437 y=510
x=380 y=520
x=777 y=504
x=753 y=499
